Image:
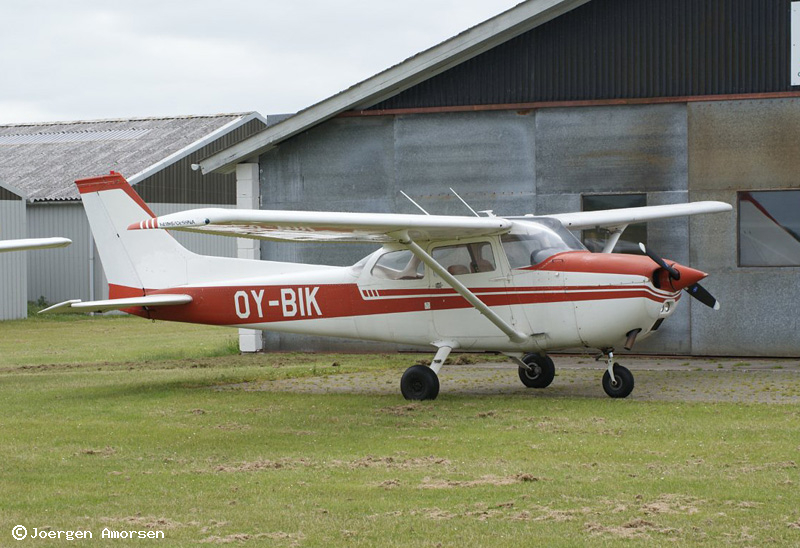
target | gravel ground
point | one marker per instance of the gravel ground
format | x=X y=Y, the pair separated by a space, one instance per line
x=656 y=379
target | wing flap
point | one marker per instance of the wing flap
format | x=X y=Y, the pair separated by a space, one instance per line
x=76 y=305
x=324 y=226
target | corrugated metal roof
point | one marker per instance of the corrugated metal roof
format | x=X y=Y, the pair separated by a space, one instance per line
x=47 y=138
x=43 y=160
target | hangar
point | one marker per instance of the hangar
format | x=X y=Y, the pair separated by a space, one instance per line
x=42 y=161
x=13 y=266
x=564 y=105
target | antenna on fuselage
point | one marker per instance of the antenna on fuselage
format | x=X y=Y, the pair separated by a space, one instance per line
x=415 y=203
x=464 y=202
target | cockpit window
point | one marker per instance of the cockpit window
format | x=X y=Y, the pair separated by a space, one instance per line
x=531 y=242
x=466 y=258
x=398 y=265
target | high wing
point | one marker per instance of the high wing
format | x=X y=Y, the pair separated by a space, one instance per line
x=33 y=243
x=385 y=227
x=77 y=305
x=619 y=218
x=325 y=226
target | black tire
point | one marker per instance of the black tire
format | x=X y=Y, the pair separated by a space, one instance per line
x=419 y=382
x=623 y=385
x=542 y=373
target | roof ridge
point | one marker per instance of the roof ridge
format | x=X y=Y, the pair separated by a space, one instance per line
x=121 y=120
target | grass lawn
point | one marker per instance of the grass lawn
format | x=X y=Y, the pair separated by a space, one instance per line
x=121 y=423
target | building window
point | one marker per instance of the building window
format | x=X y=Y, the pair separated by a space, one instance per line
x=595 y=239
x=769 y=228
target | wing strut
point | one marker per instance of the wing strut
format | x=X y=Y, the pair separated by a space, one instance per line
x=613 y=237
x=462 y=290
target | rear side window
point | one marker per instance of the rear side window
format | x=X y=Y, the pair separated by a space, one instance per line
x=398 y=265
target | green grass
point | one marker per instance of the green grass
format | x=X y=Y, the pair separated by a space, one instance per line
x=120 y=423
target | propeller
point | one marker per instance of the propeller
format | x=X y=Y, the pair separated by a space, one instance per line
x=695 y=290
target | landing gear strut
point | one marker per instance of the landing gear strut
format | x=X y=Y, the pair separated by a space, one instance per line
x=421 y=382
x=617 y=380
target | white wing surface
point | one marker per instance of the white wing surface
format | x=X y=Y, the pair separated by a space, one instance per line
x=622 y=217
x=324 y=226
x=33 y=243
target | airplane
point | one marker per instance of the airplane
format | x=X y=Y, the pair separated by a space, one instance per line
x=522 y=286
x=33 y=243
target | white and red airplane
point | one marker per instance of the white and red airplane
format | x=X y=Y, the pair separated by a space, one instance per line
x=33 y=243
x=521 y=286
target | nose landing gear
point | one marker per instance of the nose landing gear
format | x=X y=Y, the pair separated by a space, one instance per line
x=617 y=380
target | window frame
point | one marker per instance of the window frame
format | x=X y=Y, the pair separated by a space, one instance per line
x=739 y=194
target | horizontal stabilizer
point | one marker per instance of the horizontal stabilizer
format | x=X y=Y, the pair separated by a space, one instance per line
x=76 y=305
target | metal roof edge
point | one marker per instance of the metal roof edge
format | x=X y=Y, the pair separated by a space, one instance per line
x=398 y=78
x=14 y=190
x=195 y=146
x=121 y=120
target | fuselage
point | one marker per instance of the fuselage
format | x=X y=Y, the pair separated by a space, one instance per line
x=572 y=298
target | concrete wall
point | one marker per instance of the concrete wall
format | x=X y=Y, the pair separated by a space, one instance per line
x=13 y=264
x=543 y=162
x=745 y=145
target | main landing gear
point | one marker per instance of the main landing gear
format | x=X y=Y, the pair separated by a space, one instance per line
x=539 y=371
x=421 y=382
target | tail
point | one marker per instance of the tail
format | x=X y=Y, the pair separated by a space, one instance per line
x=134 y=261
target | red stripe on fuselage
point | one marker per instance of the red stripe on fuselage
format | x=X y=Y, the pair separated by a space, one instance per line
x=265 y=304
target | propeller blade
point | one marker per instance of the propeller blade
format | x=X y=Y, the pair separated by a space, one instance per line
x=701 y=294
x=674 y=274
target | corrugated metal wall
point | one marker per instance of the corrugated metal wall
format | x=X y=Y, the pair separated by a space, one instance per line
x=615 y=49
x=13 y=265
x=179 y=184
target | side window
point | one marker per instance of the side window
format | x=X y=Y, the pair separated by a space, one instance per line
x=595 y=239
x=466 y=258
x=398 y=265
x=769 y=228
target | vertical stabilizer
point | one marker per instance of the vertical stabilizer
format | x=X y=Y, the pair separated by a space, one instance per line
x=134 y=261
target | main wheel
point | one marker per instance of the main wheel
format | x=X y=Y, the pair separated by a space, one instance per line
x=419 y=382
x=623 y=382
x=541 y=373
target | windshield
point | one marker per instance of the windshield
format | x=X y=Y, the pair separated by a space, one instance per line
x=531 y=242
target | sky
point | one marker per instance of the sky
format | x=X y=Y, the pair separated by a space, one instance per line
x=91 y=59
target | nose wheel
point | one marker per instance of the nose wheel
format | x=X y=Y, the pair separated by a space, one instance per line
x=617 y=380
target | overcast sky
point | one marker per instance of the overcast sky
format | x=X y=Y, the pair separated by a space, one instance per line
x=93 y=59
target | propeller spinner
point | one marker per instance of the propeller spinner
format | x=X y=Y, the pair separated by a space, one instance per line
x=689 y=283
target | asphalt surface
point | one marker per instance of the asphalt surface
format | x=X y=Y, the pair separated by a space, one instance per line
x=656 y=378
